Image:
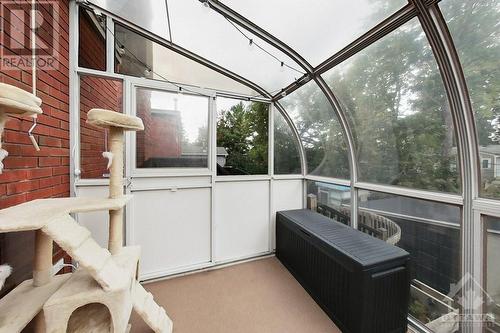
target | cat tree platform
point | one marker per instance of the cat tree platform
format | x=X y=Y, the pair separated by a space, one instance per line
x=23 y=303
x=83 y=293
x=36 y=214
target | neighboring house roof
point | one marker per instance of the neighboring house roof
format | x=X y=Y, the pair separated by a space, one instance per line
x=489 y=149
x=221 y=151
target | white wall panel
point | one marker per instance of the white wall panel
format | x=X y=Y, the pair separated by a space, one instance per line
x=96 y=222
x=241 y=219
x=172 y=228
x=287 y=194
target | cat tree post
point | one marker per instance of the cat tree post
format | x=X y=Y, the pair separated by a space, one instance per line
x=117 y=123
x=115 y=242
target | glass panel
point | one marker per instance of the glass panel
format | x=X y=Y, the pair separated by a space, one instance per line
x=210 y=35
x=319 y=130
x=395 y=99
x=286 y=150
x=492 y=297
x=430 y=232
x=96 y=92
x=91 y=40
x=331 y=25
x=150 y=15
x=136 y=55
x=175 y=130
x=331 y=200
x=476 y=35
x=242 y=137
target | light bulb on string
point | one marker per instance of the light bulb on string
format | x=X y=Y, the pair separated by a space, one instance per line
x=147 y=71
x=250 y=44
x=282 y=67
x=283 y=93
x=121 y=50
x=206 y=6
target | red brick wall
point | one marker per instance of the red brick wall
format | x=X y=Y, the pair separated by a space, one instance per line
x=101 y=93
x=29 y=174
x=92 y=44
x=162 y=135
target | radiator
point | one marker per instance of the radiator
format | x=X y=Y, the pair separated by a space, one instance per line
x=362 y=283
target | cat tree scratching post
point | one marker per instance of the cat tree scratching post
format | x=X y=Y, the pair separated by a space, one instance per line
x=117 y=124
x=99 y=296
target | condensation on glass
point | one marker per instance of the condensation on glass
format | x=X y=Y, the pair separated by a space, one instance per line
x=286 y=147
x=395 y=100
x=476 y=34
x=491 y=296
x=91 y=40
x=242 y=137
x=332 y=26
x=103 y=93
x=430 y=232
x=139 y=56
x=319 y=130
x=175 y=130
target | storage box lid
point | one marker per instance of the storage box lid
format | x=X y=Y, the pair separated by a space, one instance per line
x=339 y=239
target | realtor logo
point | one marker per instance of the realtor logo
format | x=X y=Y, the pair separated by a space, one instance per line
x=479 y=295
x=16 y=35
x=470 y=295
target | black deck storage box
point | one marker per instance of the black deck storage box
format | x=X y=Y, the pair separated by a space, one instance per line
x=361 y=282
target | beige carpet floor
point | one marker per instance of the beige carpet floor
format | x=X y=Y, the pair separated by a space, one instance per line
x=254 y=297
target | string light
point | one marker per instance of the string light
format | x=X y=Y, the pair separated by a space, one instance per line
x=282 y=67
x=206 y=5
x=252 y=43
x=147 y=69
x=283 y=93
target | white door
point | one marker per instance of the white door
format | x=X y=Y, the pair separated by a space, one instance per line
x=170 y=213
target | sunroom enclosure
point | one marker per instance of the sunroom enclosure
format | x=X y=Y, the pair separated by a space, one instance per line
x=395 y=118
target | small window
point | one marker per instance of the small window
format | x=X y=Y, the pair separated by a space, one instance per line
x=486 y=163
x=242 y=137
x=175 y=130
x=91 y=40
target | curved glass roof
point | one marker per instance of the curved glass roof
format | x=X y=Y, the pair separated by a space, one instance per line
x=335 y=23
x=374 y=58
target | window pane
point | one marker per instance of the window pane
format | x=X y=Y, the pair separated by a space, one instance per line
x=91 y=40
x=175 y=130
x=150 y=15
x=430 y=232
x=286 y=151
x=492 y=299
x=331 y=25
x=212 y=36
x=476 y=35
x=332 y=200
x=96 y=92
x=135 y=54
x=319 y=130
x=396 y=102
x=242 y=137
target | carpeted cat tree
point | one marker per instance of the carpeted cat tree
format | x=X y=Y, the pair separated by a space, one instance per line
x=100 y=294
